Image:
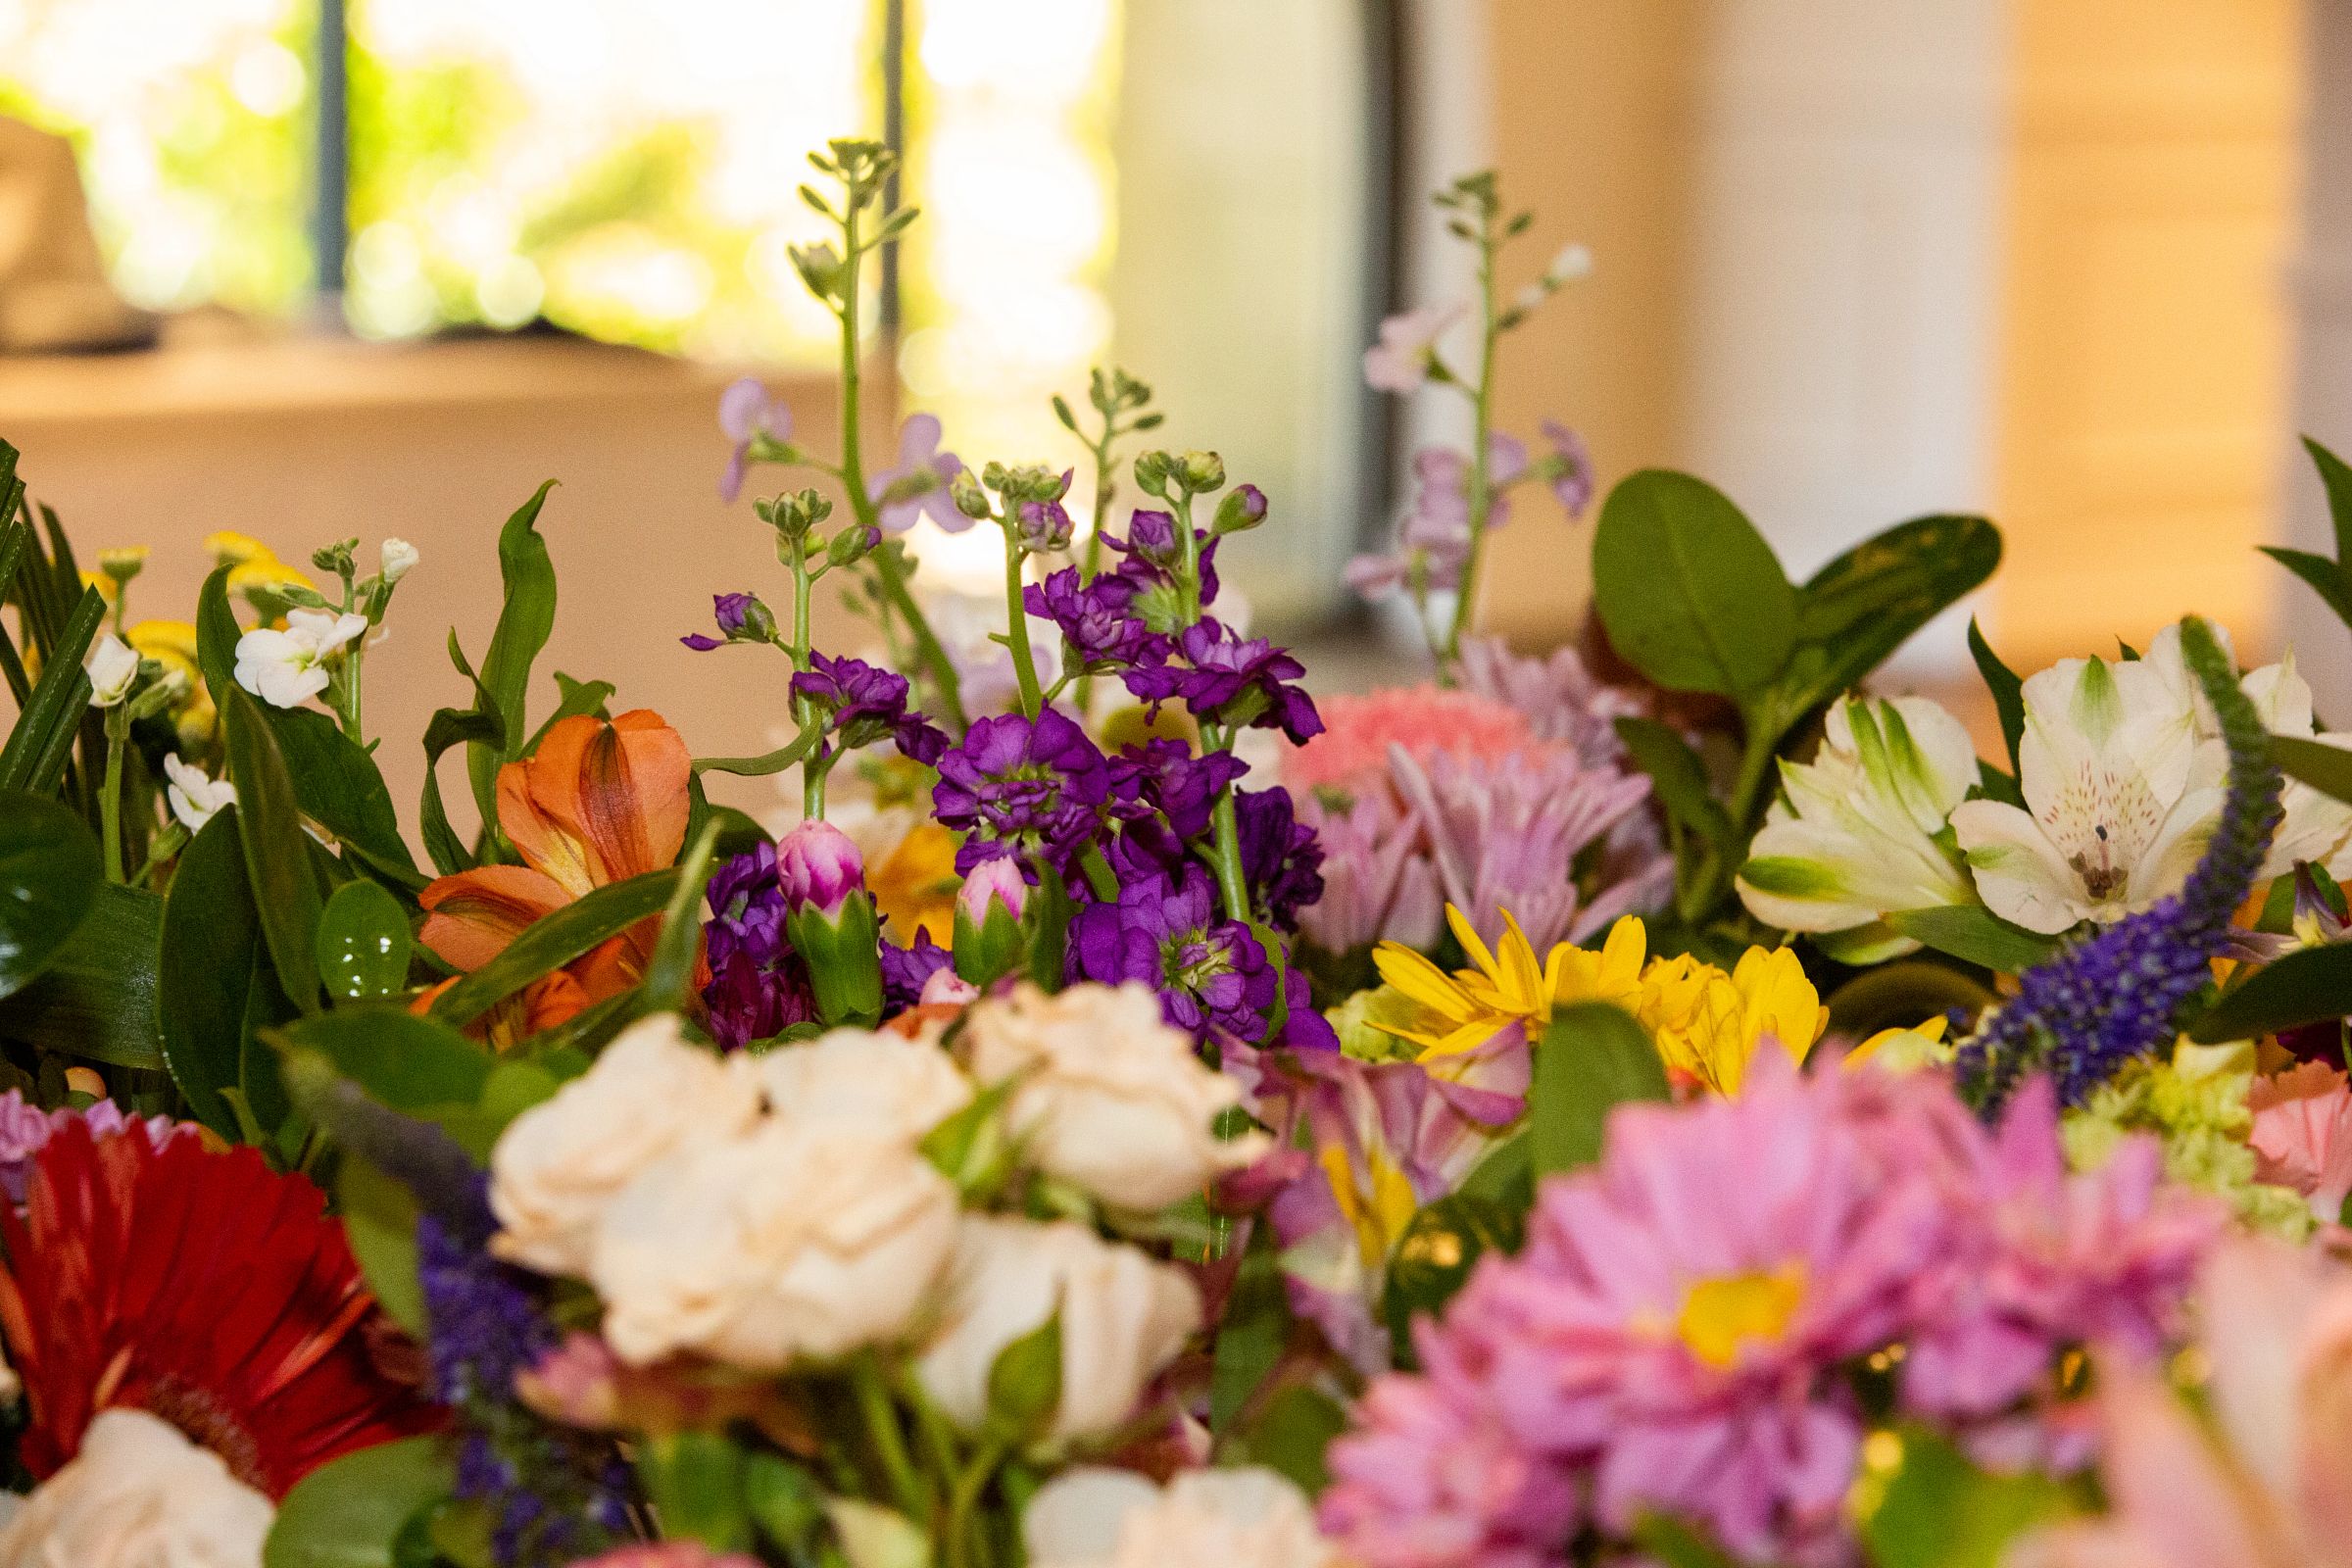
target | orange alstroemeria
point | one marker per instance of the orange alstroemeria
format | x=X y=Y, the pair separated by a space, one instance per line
x=602 y=801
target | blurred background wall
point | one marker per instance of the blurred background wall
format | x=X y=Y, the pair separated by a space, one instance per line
x=2070 y=262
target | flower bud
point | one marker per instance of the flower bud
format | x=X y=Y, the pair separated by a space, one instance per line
x=112 y=665
x=1243 y=509
x=1201 y=471
x=970 y=498
x=1043 y=526
x=993 y=882
x=1151 y=469
x=818 y=868
x=990 y=943
x=852 y=545
x=337 y=557
x=397 y=558
x=743 y=618
x=1151 y=536
x=123 y=564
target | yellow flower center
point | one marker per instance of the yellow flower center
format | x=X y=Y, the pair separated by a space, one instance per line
x=1721 y=1316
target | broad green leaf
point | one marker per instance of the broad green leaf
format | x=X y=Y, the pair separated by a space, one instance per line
x=211 y=937
x=1678 y=779
x=2324 y=767
x=1974 y=933
x=1676 y=1544
x=670 y=972
x=364 y=943
x=60 y=698
x=96 y=999
x=379 y=1217
x=524 y=622
x=352 y=1512
x=694 y=1482
x=1941 y=1511
x=1292 y=1434
x=1593 y=1058
x=1433 y=1259
x=1507 y=1174
x=2301 y=988
x=407 y=1063
x=2324 y=578
x=50 y=873
x=1860 y=607
x=2008 y=692
x=554 y=941
x=338 y=786
x=277 y=859
x=261 y=1086
x=1688 y=590
x=1024 y=1382
x=783 y=1500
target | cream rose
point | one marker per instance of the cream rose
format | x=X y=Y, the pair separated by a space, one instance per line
x=1241 y=1518
x=1110 y=1098
x=860 y=1082
x=1124 y=1316
x=780 y=1243
x=558 y=1166
x=139 y=1495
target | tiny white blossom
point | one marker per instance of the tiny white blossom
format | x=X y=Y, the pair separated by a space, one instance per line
x=1572 y=264
x=194 y=795
x=399 y=558
x=113 y=667
x=286 y=669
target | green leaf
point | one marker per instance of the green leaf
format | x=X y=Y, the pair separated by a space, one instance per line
x=574 y=698
x=351 y=1512
x=775 y=761
x=694 y=1481
x=60 y=698
x=1678 y=779
x=1293 y=1433
x=50 y=873
x=2324 y=767
x=524 y=622
x=1688 y=590
x=1974 y=933
x=2300 y=988
x=1024 y=1382
x=1676 y=1544
x=216 y=634
x=338 y=786
x=96 y=1000
x=482 y=726
x=379 y=1217
x=1442 y=1243
x=403 y=1062
x=2008 y=692
x=1506 y=1175
x=1593 y=1058
x=669 y=974
x=2324 y=578
x=1250 y=1336
x=1903 y=996
x=364 y=943
x=277 y=859
x=212 y=936
x=1860 y=607
x=2335 y=477
x=783 y=1500
x=553 y=940
x=1941 y=1511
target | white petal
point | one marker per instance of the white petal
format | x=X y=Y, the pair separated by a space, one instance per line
x=2020 y=875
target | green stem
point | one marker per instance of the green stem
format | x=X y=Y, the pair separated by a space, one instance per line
x=1016 y=623
x=110 y=800
x=1481 y=489
x=890 y=1445
x=1099 y=875
x=947 y=690
x=161 y=847
x=804 y=710
x=1191 y=547
x=1092 y=561
x=963 y=1497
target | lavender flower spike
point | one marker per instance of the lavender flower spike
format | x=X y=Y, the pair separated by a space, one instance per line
x=2094 y=1006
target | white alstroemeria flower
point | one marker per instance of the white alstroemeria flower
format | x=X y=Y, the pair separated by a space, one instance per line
x=1859 y=832
x=195 y=795
x=286 y=669
x=2120 y=798
x=398 y=560
x=112 y=665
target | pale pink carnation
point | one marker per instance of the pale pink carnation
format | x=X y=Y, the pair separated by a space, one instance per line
x=2302 y=1133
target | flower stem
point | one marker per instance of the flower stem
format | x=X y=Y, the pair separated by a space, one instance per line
x=110 y=800
x=1016 y=625
x=963 y=1497
x=889 y=1444
x=1191 y=548
x=1480 y=488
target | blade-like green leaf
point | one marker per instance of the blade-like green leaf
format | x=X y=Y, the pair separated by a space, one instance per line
x=480 y=726
x=554 y=941
x=524 y=622
x=775 y=761
x=216 y=634
x=412 y=1065
x=364 y=943
x=671 y=969
x=1688 y=590
x=2300 y=988
x=1678 y=779
x=278 y=859
x=96 y=1000
x=1593 y=1058
x=1976 y=933
x=575 y=698
x=50 y=874
x=59 y=698
x=2322 y=575
x=2324 y=767
x=2335 y=477
x=2008 y=692
x=210 y=938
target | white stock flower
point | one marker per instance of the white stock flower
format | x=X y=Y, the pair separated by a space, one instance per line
x=194 y=794
x=1124 y=1316
x=561 y=1163
x=1110 y=1098
x=112 y=665
x=2119 y=802
x=1856 y=835
x=397 y=559
x=863 y=1082
x=1248 y=1517
x=773 y=1245
x=286 y=669
x=139 y=1494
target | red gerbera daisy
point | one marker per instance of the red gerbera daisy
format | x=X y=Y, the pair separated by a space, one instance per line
x=201 y=1286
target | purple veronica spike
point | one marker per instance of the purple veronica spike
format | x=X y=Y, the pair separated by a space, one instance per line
x=1031 y=787
x=1237 y=681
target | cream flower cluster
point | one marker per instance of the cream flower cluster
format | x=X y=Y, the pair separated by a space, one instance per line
x=779 y=1212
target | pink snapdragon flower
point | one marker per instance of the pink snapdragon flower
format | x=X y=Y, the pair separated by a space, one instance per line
x=2302 y=1133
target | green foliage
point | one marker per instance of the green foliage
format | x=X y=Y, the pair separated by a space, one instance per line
x=2324 y=767
x=670 y=973
x=50 y=873
x=554 y=941
x=525 y=620
x=97 y=996
x=481 y=725
x=213 y=974
x=364 y=943
x=694 y=1482
x=1024 y=1383
x=34 y=756
x=2008 y=692
x=2332 y=580
x=379 y=1218
x=1863 y=606
x=2300 y=988
x=1940 y=1512
x=277 y=856
x=1250 y=1338
x=1690 y=591
x=1433 y=1257
x=358 y=1511
x=1593 y=1058
x=1975 y=935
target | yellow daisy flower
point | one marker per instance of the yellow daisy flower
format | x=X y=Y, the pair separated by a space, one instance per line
x=123 y=562
x=228 y=548
x=1707 y=1024
x=915 y=884
x=1469 y=1006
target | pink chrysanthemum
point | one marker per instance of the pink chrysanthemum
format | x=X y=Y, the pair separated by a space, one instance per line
x=1351 y=754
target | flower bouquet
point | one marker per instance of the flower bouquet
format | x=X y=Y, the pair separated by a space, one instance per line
x=1668 y=1107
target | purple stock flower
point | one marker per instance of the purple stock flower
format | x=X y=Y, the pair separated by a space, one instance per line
x=1153 y=553
x=1571 y=468
x=905 y=971
x=1042 y=527
x=1096 y=618
x=747 y=1000
x=758 y=986
x=1235 y=679
x=918 y=486
x=1281 y=861
x=1164 y=778
x=745 y=412
x=1210 y=973
x=866 y=703
x=1030 y=787
x=741 y=617
x=1434 y=536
